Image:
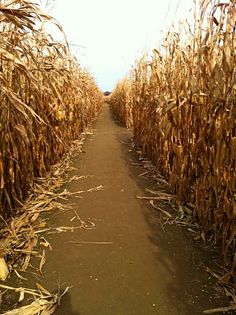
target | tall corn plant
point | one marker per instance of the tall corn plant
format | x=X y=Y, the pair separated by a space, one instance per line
x=46 y=99
x=184 y=113
x=121 y=102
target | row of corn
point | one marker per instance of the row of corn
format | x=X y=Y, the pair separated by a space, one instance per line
x=121 y=102
x=183 y=103
x=46 y=100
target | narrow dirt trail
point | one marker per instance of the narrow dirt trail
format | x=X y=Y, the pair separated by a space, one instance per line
x=140 y=271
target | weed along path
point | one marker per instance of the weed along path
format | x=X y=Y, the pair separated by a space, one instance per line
x=122 y=262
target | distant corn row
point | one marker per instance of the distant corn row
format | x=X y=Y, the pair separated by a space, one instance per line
x=121 y=102
x=184 y=113
x=46 y=100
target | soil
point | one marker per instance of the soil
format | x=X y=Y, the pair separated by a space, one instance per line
x=127 y=264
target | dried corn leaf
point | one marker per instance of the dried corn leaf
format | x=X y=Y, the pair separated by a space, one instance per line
x=4 y=272
x=182 y=105
x=44 y=304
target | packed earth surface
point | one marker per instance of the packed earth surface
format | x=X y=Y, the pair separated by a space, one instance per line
x=124 y=262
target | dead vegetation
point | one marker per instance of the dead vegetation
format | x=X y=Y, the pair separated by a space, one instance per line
x=46 y=100
x=44 y=302
x=121 y=102
x=184 y=117
x=24 y=237
x=169 y=211
x=183 y=102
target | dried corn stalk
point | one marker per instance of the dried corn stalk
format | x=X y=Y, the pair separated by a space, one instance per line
x=121 y=103
x=46 y=100
x=183 y=100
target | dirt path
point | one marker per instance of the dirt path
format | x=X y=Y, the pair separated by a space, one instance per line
x=140 y=271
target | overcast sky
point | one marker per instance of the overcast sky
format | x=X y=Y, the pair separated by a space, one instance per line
x=108 y=35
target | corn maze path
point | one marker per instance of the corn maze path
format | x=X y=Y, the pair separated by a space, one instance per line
x=126 y=265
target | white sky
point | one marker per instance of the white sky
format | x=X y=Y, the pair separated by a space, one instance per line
x=108 y=35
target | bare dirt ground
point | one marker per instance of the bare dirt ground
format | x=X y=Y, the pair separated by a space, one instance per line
x=126 y=265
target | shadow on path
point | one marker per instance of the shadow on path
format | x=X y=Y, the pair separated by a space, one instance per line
x=65 y=306
x=191 y=290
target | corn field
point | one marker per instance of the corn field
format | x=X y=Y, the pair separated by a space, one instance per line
x=183 y=104
x=46 y=100
x=121 y=102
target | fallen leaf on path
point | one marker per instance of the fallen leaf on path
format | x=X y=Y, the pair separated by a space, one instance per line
x=63 y=229
x=161 y=194
x=42 y=261
x=33 y=292
x=77 y=177
x=88 y=242
x=214 y=274
x=164 y=212
x=45 y=303
x=154 y=198
x=19 y=238
x=18 y=275
x=45 y=243
x=98 y=188
x=144 y=173
x=85 y=225
x=221 y=309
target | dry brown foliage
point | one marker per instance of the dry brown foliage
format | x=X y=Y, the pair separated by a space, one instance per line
x=46 y=100
x=184 y=113
x=121 y=102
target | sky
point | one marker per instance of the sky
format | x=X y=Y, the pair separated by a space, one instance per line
x=107 y=36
